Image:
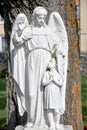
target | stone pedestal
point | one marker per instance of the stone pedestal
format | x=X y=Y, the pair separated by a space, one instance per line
x=19 y=127
x=65 y=127
x=35 y=128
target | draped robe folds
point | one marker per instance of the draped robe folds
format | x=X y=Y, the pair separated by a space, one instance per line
x=17 y=54
x=39 y=47
x=18 y=66
x=29 y=59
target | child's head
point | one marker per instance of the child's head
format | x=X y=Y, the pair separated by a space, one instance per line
x=39 y=15
x=52 y=63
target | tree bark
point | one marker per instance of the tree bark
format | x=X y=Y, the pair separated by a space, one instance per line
x=67 y=9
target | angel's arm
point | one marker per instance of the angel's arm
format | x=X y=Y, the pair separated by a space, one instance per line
x=62 y=51
x=59 y=49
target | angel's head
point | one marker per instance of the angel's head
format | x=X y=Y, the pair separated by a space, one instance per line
x=39 y=16
x=21 y=21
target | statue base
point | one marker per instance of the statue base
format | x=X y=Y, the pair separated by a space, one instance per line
x=35 y=128
x=65 y=127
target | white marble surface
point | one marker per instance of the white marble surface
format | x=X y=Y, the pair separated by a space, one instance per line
x=35 y=129
x=65 y=127
x=19 y=127
x=32 y=47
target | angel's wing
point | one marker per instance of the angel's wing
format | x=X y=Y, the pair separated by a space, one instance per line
x=56 y=23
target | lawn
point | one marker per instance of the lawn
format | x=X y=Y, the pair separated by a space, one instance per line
x=3 y=100
x=84 y=99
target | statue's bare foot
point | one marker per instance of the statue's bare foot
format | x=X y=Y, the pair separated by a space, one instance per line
x=59 y=127
x=52 y=127
x=29 y=124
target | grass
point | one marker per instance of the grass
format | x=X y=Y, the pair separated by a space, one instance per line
x=84 y=99
x=2 y=101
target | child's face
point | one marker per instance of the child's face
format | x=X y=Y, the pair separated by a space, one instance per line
x=40 y=20
x=51 y=65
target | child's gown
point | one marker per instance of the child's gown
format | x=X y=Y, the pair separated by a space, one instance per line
x=52 y=92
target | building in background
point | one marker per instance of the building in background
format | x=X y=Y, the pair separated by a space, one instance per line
x=2 y=36
x=81 y=6
x=83 y=36
x=83 y=26
x=3 y=55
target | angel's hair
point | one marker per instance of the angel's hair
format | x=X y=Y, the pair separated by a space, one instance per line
x=39 y=11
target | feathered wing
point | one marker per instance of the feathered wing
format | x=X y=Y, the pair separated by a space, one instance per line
x=17 y=54
x=56 y=24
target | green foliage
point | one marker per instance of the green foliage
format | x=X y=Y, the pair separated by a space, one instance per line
x=2 y=101
x=3 y=73
x=84 y=99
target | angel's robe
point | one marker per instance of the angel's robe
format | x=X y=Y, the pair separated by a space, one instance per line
x=39 y=54
x=39 y=43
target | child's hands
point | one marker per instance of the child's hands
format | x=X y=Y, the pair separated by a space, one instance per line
x=51 y=77
x=57 y=80
x=54 y=78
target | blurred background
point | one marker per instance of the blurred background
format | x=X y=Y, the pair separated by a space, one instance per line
x=81 y=15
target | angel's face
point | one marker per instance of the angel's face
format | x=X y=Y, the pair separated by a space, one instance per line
x=40 y=20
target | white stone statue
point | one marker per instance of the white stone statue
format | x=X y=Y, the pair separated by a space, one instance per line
x=41 y=41
x=18 y=59
x=52 y=83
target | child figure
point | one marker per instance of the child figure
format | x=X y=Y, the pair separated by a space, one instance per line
x=52 y=82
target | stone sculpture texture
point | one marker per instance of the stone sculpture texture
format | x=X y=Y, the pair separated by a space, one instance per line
x=39 y=57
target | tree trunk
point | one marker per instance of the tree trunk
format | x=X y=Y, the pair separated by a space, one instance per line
x=67 y=9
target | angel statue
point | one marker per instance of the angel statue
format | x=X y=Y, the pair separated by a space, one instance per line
x=40 y=42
